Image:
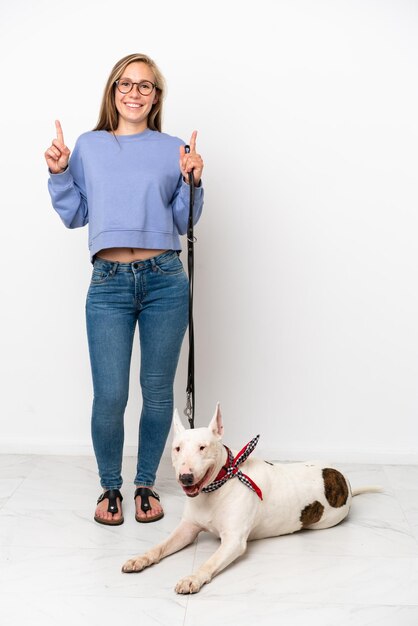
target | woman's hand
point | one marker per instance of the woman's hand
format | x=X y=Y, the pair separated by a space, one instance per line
x=57 y=155
x=191 y=161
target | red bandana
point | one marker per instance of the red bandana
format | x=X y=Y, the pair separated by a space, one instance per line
x=231 y=469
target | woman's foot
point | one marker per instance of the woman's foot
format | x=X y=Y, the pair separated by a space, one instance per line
x=109 y=508
x=147 y=505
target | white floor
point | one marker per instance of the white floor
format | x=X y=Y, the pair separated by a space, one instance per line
x=58 y=567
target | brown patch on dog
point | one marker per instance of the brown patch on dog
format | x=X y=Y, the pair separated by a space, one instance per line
x=336 y=488
x=311 y=514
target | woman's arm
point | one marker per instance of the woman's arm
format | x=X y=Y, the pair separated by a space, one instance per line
x=181 y=205
x=189 y=162
x=66 y=182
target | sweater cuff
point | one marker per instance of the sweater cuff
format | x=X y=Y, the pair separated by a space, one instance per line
x=64 y=179
x=185 y=188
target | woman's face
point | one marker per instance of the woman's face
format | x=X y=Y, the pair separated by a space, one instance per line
x=133 y=107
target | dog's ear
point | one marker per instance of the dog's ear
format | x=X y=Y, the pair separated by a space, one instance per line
x=216 y=425
x=178 y=426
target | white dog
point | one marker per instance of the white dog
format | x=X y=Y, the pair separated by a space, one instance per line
x=240 y=499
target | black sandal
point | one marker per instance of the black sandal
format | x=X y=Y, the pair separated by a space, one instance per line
x=144 y=493
x=111 y=495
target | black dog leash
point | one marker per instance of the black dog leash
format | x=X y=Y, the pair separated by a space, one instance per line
x=190 y=391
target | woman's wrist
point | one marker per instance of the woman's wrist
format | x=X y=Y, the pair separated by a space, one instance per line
x=60 y=172
x=196 y=184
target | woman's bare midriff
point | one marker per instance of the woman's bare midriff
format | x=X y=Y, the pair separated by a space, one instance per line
x=127 y=255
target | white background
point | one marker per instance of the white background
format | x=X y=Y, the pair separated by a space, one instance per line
x=306 y=301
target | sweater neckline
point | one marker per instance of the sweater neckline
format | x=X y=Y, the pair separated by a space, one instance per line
x=135 y=137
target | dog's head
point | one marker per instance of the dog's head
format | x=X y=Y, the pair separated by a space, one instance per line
x=197 y=453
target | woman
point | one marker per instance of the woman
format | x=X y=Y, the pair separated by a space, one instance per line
x=128 y=181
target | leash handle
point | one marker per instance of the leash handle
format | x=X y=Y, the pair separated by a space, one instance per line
x=189 y=411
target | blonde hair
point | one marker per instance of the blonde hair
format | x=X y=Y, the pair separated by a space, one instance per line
x=108 y=116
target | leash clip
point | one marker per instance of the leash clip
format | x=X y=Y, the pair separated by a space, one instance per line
x=188 y=411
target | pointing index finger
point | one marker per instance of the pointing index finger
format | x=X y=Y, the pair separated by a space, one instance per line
x=60 y=134
x=193 y=141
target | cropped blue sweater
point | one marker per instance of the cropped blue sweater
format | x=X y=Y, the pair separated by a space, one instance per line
x=128 y=188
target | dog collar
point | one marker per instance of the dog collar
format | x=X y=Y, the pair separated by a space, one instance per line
x=230 y=470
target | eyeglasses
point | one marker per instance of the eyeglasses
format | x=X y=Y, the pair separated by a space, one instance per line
x=125 y=85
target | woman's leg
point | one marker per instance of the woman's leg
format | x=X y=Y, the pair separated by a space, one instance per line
x=111 y=318
x=162 y=323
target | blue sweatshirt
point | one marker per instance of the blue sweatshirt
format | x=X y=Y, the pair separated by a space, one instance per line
x=128 y=188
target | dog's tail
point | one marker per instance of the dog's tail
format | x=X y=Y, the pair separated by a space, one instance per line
x=371 y=489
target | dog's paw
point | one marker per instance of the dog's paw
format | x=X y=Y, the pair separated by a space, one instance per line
x=136 y=565
x=189 y=584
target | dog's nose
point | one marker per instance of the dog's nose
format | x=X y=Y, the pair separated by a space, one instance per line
x=186 y=479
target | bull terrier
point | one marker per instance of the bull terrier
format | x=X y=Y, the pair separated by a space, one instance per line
x=240 y=499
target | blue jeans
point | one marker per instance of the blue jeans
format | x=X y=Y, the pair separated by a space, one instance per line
x=153 y=293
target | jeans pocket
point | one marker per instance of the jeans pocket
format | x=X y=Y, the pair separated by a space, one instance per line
x=170 y=266
x=98 y=276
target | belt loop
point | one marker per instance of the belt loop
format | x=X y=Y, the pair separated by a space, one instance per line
x=114 y=268
x=153 y=264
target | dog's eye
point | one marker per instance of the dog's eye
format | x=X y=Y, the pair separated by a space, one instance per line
x=202 y=448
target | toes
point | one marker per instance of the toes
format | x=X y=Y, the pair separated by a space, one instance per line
x=155 y=510
x=103 y=514
x=128 y=566
x=189 y=584
x=135 y=565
